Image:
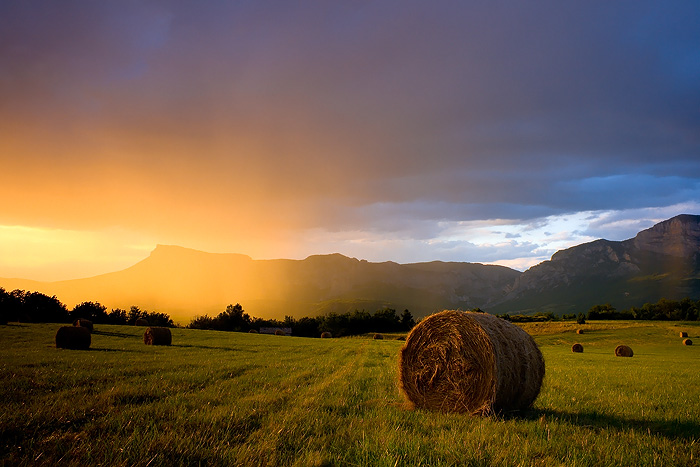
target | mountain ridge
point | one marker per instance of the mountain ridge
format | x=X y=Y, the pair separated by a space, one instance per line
x=660 y=262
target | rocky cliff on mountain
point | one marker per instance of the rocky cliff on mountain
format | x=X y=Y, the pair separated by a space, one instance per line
x=660 y=262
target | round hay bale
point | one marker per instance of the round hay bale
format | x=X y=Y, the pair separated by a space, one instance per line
x=326 y=335
x=157 y=336
x=378 y=336
x=579 y=331
x=86 y=323
x=623 y=351
x=252 y=331
x=684 y=334
x=577 y=348
x=73 y=337
x=279 y=332
x=687 y=342
x=469 y=362
x=141 y=322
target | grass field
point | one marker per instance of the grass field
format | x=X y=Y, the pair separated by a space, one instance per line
x=215 y=398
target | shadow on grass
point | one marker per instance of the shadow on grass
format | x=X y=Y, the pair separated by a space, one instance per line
x=208 y=347
x=116 y=334
x=687 y=430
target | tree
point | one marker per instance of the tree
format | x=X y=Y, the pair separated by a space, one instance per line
x=606 y=311
x=92 y=311
x=117 y=316
x=407 y=321
x=233 y=319
x=201 y=322
x=134 y=314
x=40 y=308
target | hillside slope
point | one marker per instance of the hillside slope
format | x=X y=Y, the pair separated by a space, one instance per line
x=660 y=262
x=185 y=283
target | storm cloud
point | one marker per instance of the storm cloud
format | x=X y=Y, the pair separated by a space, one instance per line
x=401 y=123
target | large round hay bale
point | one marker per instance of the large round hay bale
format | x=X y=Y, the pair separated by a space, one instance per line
x=684 y=334
x=73 y=337
x=378 y=336
x=326 y=335
x=86 y=323
x=687 y=342
x=579 y=331
x=279 y=332
x=252 y=331
x=141 y=322
x=577 y=348
x=623 y=351
x=157 y=336
x=469 y=362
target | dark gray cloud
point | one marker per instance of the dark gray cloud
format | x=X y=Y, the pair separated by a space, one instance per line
x=393 y=116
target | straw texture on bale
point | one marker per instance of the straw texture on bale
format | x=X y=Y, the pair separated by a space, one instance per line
x=141 y=322
x=687 y=342
x=579 y=331
x=623 y=351
x=157 y=336
x=577 y=348
x=684 y=334
x=378 y=336
x=468 y=362
x=279 y=332
x=73 y=337
x=326 y=335
x=86 y=323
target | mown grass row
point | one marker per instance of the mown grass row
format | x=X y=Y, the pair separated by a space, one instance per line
x=215 y=398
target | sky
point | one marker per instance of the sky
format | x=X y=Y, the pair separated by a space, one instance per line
x=482 y=131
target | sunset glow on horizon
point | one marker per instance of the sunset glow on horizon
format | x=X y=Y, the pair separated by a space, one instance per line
x=384 y=131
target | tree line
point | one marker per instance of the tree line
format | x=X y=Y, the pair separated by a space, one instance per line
x=25 y=306
x=34 y=307
x=663 y=310
x=338 y=324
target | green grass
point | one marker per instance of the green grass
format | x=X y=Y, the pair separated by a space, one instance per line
x=216 y=398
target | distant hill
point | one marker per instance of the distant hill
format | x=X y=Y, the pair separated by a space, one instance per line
x=185 y=283
x=660 y=262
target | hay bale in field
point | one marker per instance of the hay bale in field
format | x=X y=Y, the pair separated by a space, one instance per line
x=468 y=362
x=86 y=323
x=378 y=336
x=687 y=342
x=579 y=331
x=141 y=322
x=73 y=337
x=684 y=334
x=326 y=335
x=157 y=336
x=252 y=331
x=279 y=332
x=623 y=351
x=577 y=348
